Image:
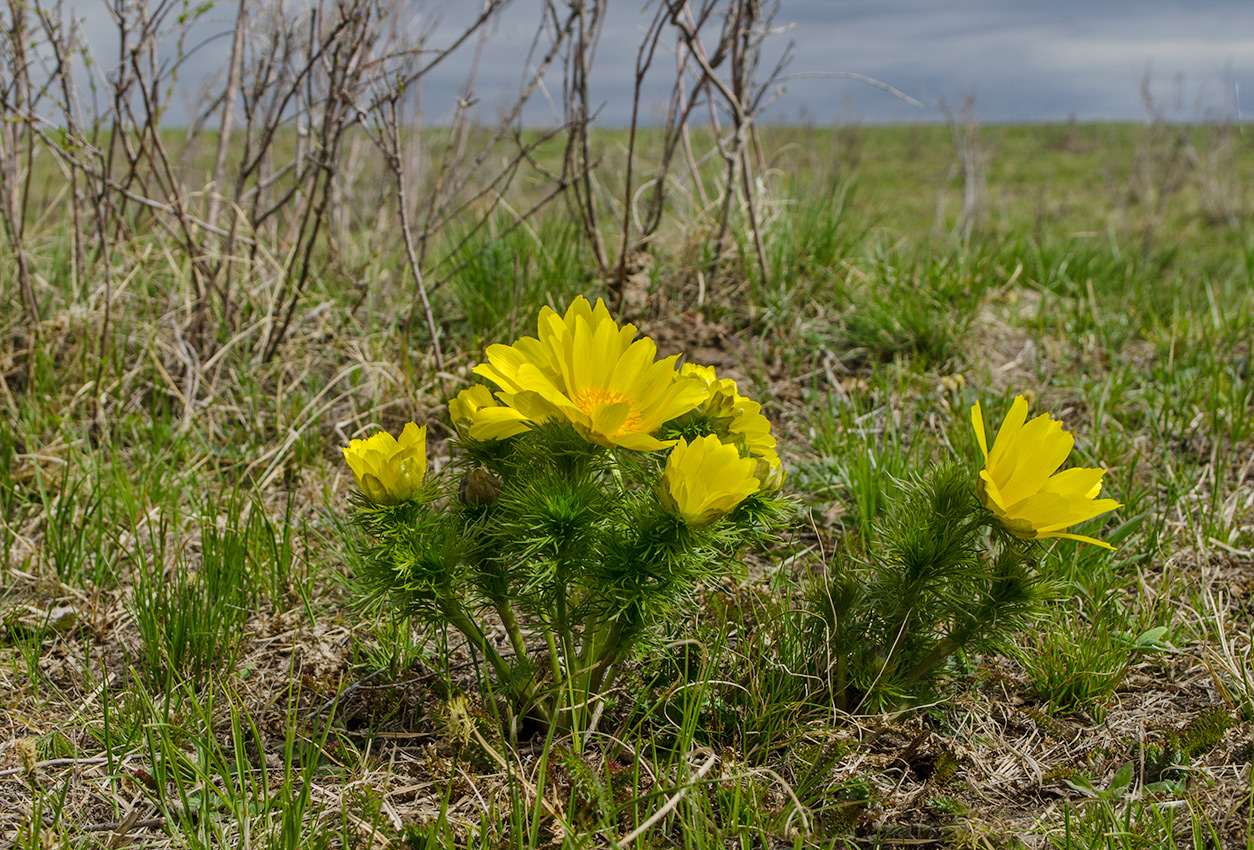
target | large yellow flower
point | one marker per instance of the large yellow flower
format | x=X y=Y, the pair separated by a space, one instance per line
x=706 y=479
x=1018 y=483
x=389 y=471
x=587 y=370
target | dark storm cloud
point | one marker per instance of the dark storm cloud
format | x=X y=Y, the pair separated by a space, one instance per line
x=1023 y=60
x=1028 y=61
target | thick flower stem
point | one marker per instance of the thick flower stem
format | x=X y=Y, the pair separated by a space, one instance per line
x=610 y=651
x=522 y=694
x=506 y=612
x=942 y=650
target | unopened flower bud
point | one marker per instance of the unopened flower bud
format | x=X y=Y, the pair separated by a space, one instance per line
x=479 y=488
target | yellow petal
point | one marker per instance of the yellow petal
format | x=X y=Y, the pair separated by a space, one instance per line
x=1081 y=538
x=498 y=423
x=1040 y=449
x=1019 y=483
x=1008 y=431
x=977 y=420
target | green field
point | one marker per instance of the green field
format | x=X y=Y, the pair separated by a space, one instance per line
x=184 y=655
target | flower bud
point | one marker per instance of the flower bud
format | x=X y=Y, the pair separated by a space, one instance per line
x=704 y=480
x=479 y=488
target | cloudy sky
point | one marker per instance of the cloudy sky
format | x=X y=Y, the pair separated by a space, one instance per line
x=1024 y=60
x=1028 y=60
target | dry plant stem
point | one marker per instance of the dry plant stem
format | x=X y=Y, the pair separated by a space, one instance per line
x=229 y=98
x=751 y=208
x=393 y=156
x=16 y=155
x=342 y=60
x=676 y=130
x=61 y=46
x=644 y=58
x=578 y=159
x=741 y=95
x=964 y=129
x=461 y=124
x=228 y=111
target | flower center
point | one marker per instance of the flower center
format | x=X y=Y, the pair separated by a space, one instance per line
x=593 y=397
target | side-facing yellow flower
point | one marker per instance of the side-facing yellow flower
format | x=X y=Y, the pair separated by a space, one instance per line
x=721 y=393
x=1018 y=483
x=739 y=420
x=706 y=479
x=587 y=370
x=475 y=409
x=770 y=470
x=389 y=471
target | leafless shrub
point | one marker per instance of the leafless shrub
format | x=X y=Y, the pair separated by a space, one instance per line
x=718 y=67
x=964 y=131
x=1221 y=191
x=1160 y=168
x=19 y=102
x=317 y=119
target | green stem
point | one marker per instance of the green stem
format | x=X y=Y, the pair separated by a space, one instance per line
x=943 y=650
x=457 y=617
x=555 y=666
x=506 y=613
x=610 y=652
x=563 y=621
x=842 y=672
x=523 y=695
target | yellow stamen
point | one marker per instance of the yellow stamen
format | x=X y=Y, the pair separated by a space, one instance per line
x=590 y=399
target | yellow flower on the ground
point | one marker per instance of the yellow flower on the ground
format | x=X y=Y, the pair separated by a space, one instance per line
x=770 y=470
x=706 y=479
x=1018 y=483
x=739 y=420
x=475 y=409
x=587 y=370
x=389 y=471
x=721 y=393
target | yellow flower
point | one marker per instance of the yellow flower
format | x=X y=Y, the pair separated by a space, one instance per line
x=721 y=393
x=706 y=479
x=1018 y=483
x=587 y=370
x=770 y=470
x=475 y=409
x=389 y=471
x=739 y=420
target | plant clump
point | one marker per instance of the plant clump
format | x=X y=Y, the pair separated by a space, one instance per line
x=956 y=566
x=592 y=494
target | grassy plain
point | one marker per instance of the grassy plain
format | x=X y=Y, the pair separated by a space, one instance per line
x=183 y=663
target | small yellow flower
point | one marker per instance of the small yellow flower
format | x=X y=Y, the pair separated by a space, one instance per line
x=389 y=471
x=721 y=393
x=739 y=420
x=706 y=479
x=1018 y=483
x=587 y=370
x=475 y=410
x=770 y=470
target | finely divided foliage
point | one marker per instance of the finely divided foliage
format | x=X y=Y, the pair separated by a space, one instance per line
x=567 y=522
x=337 y=509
